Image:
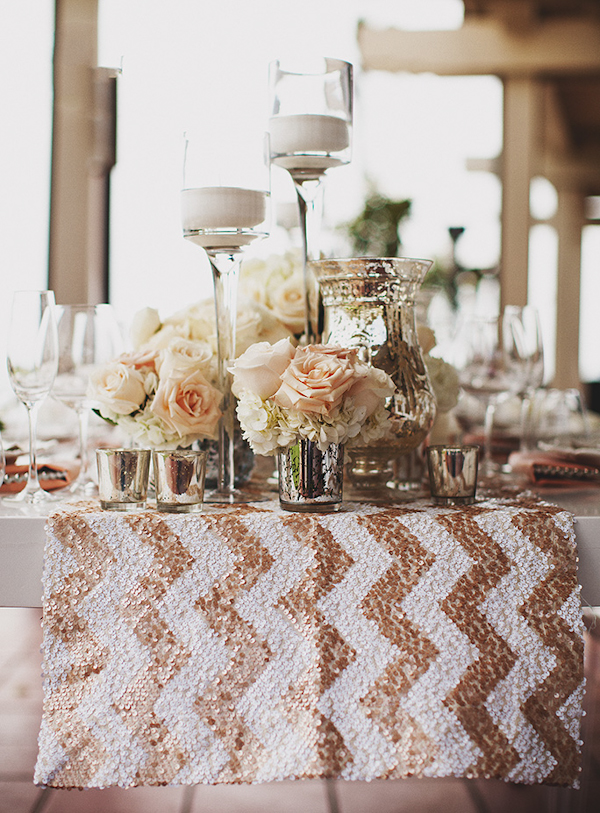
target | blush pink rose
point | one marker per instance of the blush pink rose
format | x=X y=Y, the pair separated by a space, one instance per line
x=259 y=369
x=187 y=403
x=316 y=380
x=371 y=388
x=145 y=357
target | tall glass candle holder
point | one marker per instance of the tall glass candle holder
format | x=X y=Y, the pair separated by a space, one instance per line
x=310 y=130
x=224 y=206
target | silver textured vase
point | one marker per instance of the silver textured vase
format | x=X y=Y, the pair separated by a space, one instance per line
x=369 y=304
x=309 y=479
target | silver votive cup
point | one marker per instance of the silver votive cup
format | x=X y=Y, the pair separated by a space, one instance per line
x=179 y=480
x=123 y=478
x=453 y=474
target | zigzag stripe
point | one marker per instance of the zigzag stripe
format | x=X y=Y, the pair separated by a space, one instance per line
x=496 y=659
x=218 y=706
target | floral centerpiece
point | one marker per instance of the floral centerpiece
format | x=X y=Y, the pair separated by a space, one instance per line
x=164 y=394
x=445 y=385
x=320 y=393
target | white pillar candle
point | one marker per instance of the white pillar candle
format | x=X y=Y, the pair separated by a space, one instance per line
x=222 y=207
x=308 y=133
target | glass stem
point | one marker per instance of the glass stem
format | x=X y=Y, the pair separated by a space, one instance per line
x=310 y=204
x=33 y=483
x=83 y=419
x=225 y=271
x=488 y=428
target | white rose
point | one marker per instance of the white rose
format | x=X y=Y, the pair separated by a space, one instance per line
x=259 y=368
x=144 y=324
x=118 y=388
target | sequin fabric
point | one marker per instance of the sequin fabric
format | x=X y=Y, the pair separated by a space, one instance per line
x=247 y=644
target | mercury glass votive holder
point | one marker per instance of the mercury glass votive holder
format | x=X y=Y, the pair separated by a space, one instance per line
x=179 y=480
x=123 y=478
x=453 y=474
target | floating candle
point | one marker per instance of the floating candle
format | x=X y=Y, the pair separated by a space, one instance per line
x=308 y=133
x=222 y=207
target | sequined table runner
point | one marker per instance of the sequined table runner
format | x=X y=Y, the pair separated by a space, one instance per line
x=248 y=644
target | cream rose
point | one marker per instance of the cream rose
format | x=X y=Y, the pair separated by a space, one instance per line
x=316 y=380
x=183 y=354
x=144 y=324
x=259 y=368
x=289 y=305
x=426 y=338
x=187 y=403
x=118 y=388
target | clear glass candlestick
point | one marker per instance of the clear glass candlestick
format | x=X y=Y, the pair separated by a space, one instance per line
x=224 y=209
x=310 y=132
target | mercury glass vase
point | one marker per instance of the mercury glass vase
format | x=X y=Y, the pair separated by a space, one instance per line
x=311 y=480
x=369 y=304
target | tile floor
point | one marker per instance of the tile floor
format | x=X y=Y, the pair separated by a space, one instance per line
x=20 y=711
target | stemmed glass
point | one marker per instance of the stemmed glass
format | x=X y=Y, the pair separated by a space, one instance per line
x=522 y=337
x=32 y=361
x=88 y=336
x=224 y=209
x=487 y=371
x=310 y=132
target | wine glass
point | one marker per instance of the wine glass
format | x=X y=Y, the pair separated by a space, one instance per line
x=522 y=336
x=88 y=336
x=487 y=372
x=310 y=132
x=224 y=202
x=32 y=360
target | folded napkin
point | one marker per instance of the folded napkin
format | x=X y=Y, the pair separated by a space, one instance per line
x=51 y=477
x=568 y=468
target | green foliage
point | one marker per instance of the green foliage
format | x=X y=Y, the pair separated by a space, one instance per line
x=374 y=233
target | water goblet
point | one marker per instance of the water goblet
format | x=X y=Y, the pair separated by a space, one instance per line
x=487 y=372
x=88 y=337
x=310 y=132
x=522 y=337
x=32 y=361
x=225 y=209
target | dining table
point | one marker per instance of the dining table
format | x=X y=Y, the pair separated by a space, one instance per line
x=249 y=644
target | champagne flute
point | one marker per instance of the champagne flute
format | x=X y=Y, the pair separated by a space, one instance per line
x=32 y=361
x=225 y=209
x=310 y=132
x=487 y=372
x=522 y=336
x=88 y=336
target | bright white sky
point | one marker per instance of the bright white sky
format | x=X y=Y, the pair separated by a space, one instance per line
x=195 y=62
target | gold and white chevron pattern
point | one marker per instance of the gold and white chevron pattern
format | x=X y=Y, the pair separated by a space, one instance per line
x=249 y=644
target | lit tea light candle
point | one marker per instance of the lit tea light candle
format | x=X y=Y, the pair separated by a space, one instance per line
x=222 y=207
x=308 y=133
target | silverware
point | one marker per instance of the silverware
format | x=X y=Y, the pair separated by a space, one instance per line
x=542 y=471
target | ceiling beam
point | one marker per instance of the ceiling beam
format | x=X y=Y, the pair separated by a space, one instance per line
x=485 y=46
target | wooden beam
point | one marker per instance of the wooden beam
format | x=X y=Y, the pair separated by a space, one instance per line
x=569 y=222
x=485 y=46
x=75 y=57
